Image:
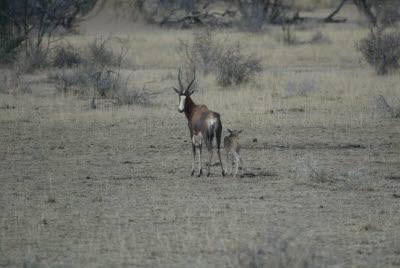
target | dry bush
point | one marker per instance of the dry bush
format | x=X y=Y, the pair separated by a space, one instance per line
x=288 y=37
x=138 y=96
x=101 y=70
x=380 y=13
x=202 y=51
x=82 y=80
x=11 y=82
x=67 y=57
x=100 y=53
x=229 y=63
x=256 y=13
x=382 y=51
x=99 y=74
x=234 y=68
x=32 y=59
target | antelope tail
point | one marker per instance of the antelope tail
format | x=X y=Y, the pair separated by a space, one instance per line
x=211 y=130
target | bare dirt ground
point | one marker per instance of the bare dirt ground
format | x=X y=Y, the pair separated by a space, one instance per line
x=111 y=187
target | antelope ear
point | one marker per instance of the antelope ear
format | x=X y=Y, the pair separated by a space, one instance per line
x=176 y=90
x=240 y=131
x=230 y=131
x=192 y=92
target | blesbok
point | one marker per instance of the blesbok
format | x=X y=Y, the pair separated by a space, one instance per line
x=203 y=124
x=232 y=145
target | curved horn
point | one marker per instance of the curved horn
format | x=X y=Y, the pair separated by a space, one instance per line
x=176 y=90
x=194 y=77
x=193 y=91
x=179 y=79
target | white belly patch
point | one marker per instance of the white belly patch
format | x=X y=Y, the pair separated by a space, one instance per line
x=197 y=140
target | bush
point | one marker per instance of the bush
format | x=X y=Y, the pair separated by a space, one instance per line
x=95 y=75
x=67 y=57
x=82 y=80
x=139 y=96
x=382 y=51
x=31 y=59
x=10 y=45
x=234 y=68
x=99 y=53
x=203 y=51
x=228 y=62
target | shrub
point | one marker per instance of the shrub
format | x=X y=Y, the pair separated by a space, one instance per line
x=31 y=59
x=382 y=51
x=95 y=75
x=234 y=68
x=203 y=51
x=81 y=80
x=94 y=72
x=99 y=53
x=10 y=45
x=67 y=57
x=230 y=64
x=138 y=96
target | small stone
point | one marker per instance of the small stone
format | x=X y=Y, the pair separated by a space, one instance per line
x=255 y=140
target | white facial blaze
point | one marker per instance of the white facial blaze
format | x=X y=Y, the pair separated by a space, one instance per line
x=181 y=106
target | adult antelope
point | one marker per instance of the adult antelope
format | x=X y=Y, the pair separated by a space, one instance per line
x=203 y=124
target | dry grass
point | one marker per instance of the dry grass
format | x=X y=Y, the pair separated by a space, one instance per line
x=111 y=186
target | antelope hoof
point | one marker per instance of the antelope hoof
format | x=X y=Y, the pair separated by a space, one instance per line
x=208 y=174
x=223 y=174
x=201 y=172
x=192 y=173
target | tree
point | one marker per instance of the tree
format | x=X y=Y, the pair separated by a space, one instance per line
x=380 y=13
x=30 y=22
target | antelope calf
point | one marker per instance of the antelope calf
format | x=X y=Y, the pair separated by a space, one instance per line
x=232 y=145
x=203 y=124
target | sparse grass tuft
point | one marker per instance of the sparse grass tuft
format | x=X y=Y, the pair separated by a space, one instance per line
x=300 y=89
x=383 y=106
x=308 y=170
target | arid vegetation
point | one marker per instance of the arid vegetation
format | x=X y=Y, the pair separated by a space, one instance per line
x=95 y=159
